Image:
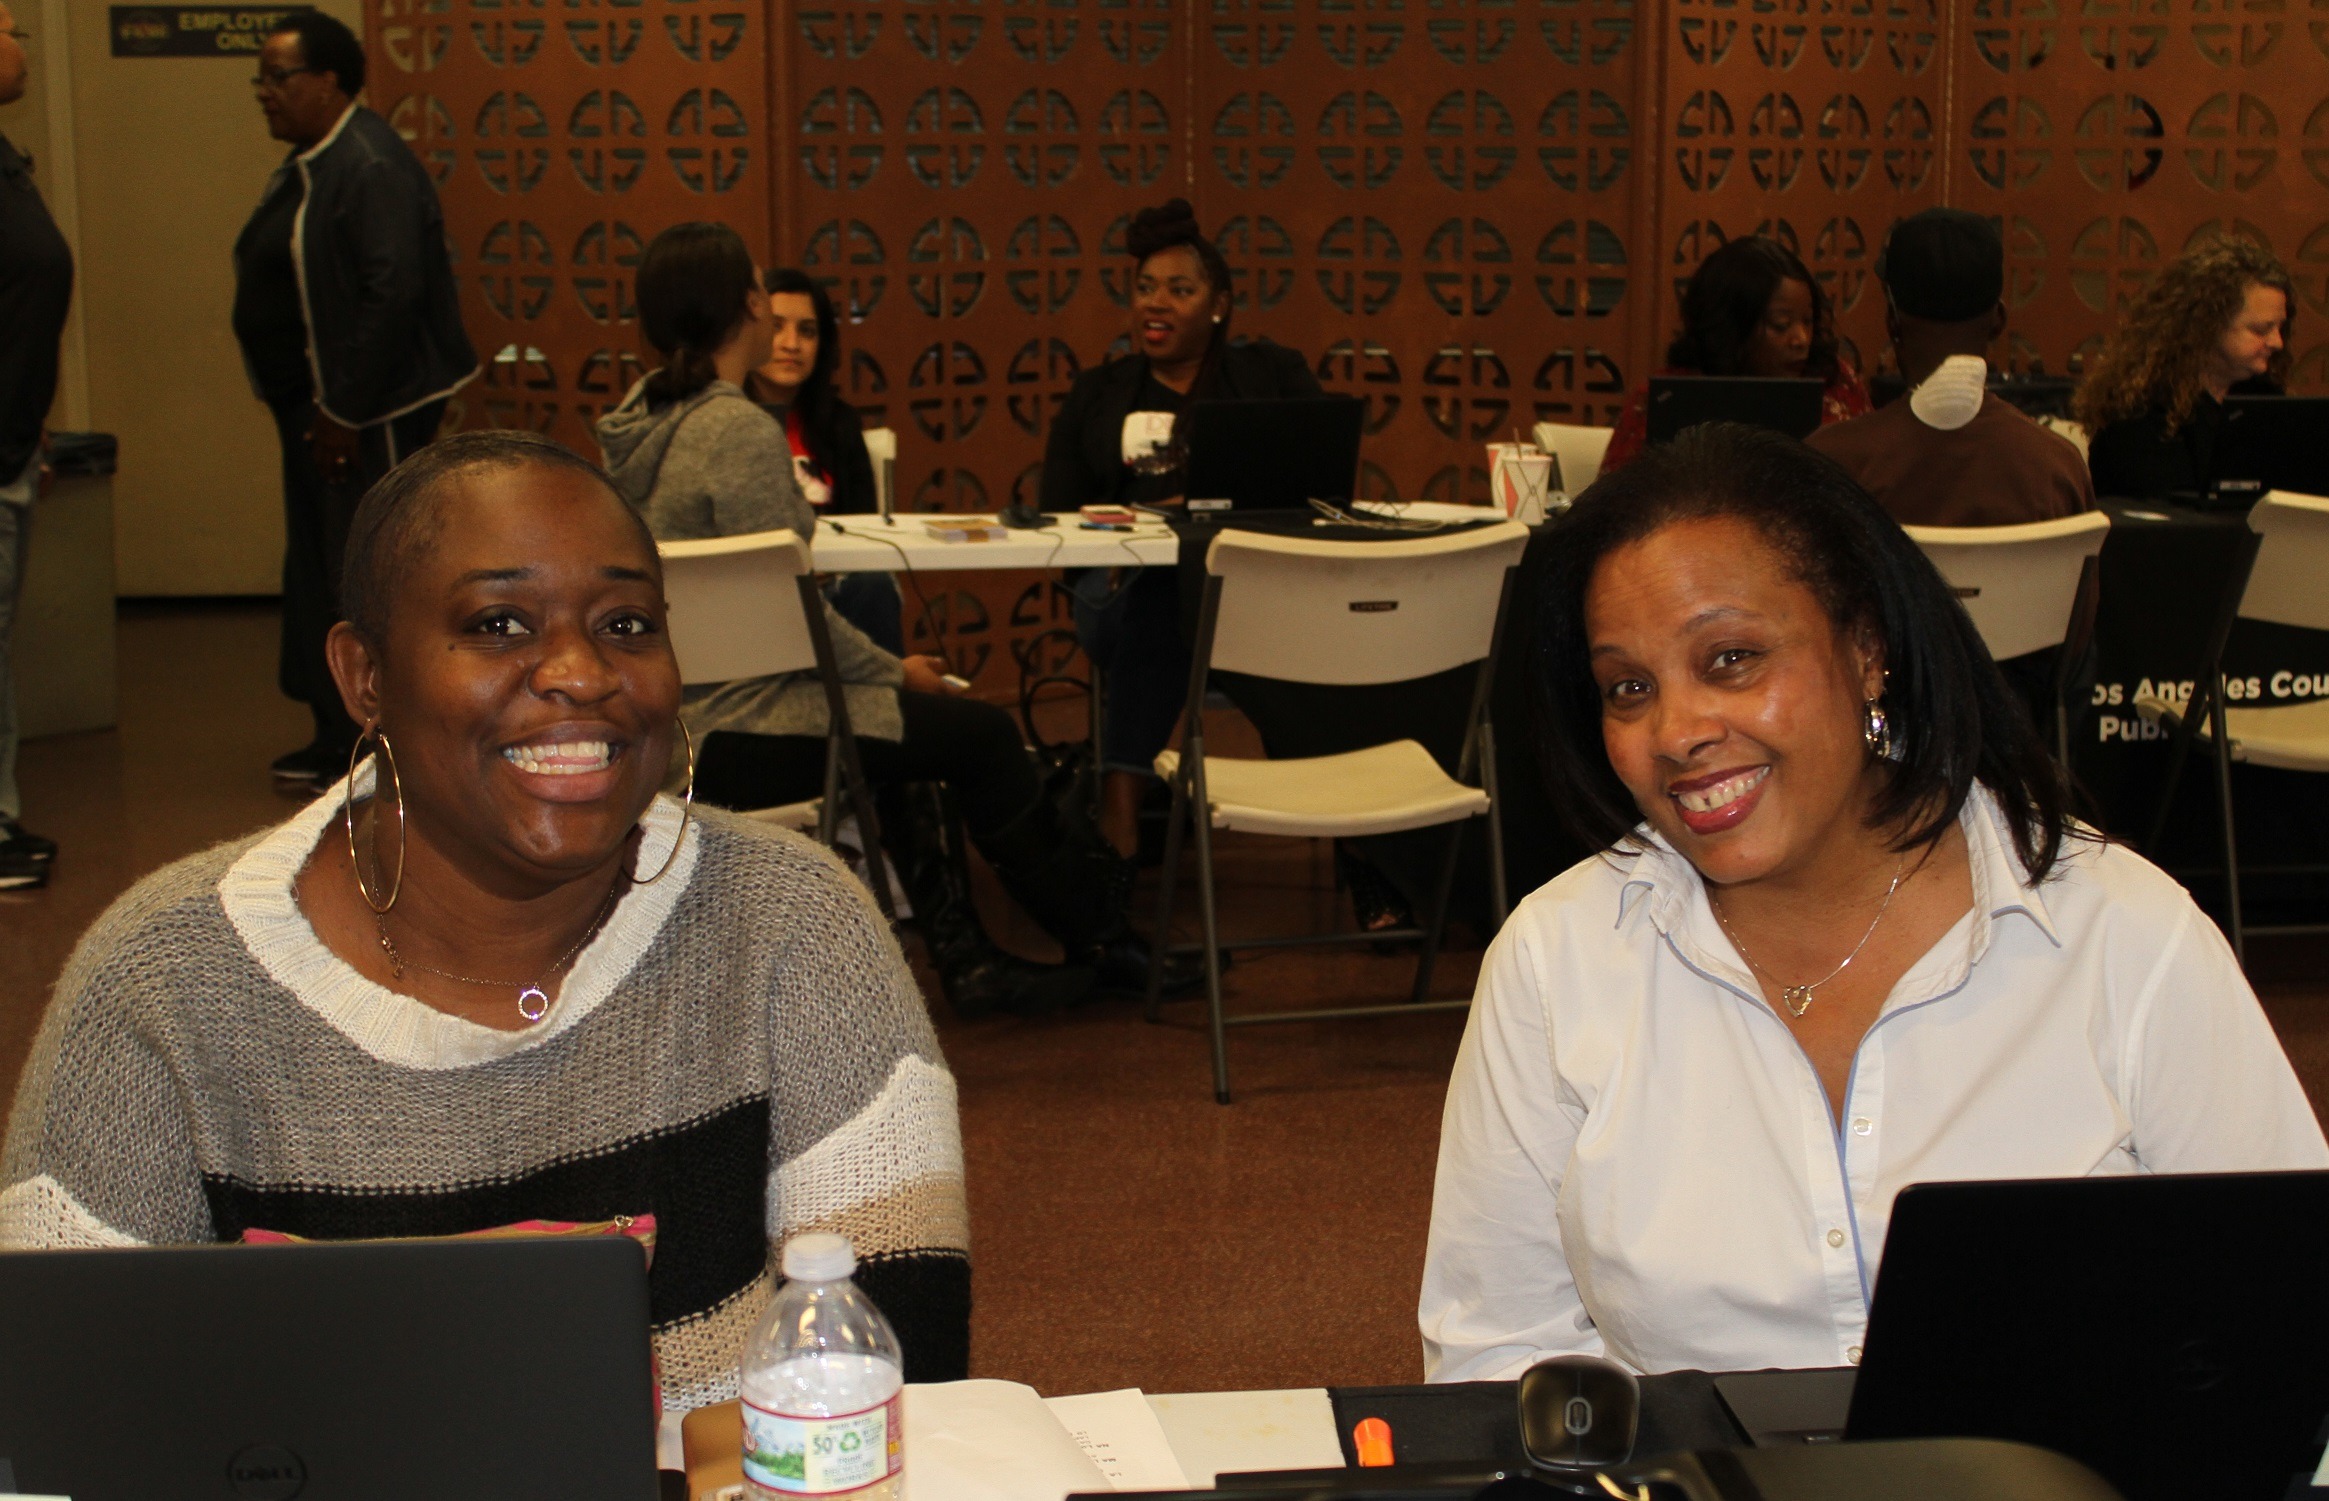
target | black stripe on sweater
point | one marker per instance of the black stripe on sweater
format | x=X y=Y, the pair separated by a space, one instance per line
x=926 y=1296
x=706 y=1183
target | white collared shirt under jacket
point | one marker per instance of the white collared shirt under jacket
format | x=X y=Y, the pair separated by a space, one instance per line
x=1639 y=1161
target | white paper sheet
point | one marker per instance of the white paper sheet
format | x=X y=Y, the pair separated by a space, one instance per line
x=1120 y=1432
x=990 y=1441
x=1217 y=1432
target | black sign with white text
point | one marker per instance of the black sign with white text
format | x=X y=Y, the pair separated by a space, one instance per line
x=196 y=30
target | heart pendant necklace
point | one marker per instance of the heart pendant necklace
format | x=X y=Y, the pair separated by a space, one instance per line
x=1797 y=998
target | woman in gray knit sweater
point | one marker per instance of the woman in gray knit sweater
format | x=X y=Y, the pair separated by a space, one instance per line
x=495 y=979
x=700 y=458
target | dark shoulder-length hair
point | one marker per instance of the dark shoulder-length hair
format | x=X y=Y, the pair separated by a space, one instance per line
x=1954 y=720
x=1172 y=225
x=819 y=400
x=695 y=286
x=1724 y=303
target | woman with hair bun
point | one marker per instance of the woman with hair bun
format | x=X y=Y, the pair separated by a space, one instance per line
x=1752 y=308
x=2215 y=324
x=1113 y=442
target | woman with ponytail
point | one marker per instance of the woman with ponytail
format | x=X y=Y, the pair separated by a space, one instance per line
x=1114 y=443
x=699 y=458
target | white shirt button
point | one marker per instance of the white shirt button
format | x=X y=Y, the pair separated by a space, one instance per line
x=1835 y=1237
x=1853 y=1354
x=1862 y=1125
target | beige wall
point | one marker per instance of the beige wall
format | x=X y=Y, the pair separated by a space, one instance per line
x=167 y=159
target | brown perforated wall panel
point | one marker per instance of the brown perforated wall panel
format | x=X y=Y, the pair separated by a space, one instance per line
x=1472 y=213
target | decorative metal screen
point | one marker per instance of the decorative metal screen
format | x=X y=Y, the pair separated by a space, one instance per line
x=1471 y=213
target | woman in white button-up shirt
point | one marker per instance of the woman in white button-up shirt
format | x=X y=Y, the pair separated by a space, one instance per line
x=1843 y=939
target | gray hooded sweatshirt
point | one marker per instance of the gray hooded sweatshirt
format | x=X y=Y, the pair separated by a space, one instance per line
x=716 y=465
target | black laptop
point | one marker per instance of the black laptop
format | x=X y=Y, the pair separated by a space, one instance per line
x=2170 y=1331
x=1272 y=455
x=2273 y=443
x=382 y=1371
x=1784 y=403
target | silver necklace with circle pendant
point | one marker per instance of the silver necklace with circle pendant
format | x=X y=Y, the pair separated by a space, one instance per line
x=1797 y=998
x=533 y=1000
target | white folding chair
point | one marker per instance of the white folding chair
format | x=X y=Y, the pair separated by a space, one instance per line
x=2022 y=585
x=2286 y=586
x=1578 y=450
x=2063 y=427
x=1348 y=613
x=881 y=446
x=749 y=607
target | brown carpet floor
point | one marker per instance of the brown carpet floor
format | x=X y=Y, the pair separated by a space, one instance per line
x=1126 y=1230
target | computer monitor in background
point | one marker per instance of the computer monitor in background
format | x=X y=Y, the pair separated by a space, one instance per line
x=2274 y=443
x=1278 y=454
x=459 y=1370
x=1786 y=403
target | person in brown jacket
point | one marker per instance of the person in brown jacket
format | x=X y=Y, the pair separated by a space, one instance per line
x=1949 y=453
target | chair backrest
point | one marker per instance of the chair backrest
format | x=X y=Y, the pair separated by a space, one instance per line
x=735 y=606
x=1578 y=448
x=1359 y=612
x=2290 y=583
x=2019 y=583
x=2065 y=428
x=881 y=446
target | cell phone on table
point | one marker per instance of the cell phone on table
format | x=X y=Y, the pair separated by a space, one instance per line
x=1109 y=515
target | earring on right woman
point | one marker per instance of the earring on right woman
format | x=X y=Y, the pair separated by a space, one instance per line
x=1876 y=730
x=386 y=774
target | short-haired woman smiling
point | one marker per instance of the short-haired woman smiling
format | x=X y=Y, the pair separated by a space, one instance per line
x=1841 y=938
x=495 y=979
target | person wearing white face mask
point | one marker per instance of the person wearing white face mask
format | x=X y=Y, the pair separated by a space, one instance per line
x=1951 y=454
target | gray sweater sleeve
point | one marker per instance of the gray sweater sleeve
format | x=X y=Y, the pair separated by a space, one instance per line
x=747 y=469
x=101 y=1144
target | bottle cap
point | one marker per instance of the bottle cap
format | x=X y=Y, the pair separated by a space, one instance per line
x=819 y=1257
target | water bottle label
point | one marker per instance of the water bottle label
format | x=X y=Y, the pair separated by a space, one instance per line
x=822 y=1456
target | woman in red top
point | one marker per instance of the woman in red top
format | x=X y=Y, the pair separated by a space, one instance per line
x=1750 y=309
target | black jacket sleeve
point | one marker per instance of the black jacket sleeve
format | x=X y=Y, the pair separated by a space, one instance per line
x=383 y=236
x=36 y=286
x=847 y=464
x=2135 y=459
x=1070 y=480
x=1272 y=370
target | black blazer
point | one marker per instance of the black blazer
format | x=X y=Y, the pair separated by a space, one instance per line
x=1083 y=464
x=384 y=332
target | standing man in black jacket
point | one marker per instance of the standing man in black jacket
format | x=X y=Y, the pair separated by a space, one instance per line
x=36 y=285
x=350 y=328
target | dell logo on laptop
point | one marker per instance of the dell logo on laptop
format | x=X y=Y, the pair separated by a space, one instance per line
x=266 y=1472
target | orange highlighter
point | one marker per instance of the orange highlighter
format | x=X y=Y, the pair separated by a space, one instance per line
x=1372 y=1439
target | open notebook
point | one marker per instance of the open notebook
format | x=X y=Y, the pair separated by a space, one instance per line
x=999 y=1441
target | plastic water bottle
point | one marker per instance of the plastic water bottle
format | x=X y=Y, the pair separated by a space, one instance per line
x=822 y=1384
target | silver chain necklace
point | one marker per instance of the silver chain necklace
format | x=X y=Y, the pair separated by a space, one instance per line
x=533 y=1000
x=1797 y=998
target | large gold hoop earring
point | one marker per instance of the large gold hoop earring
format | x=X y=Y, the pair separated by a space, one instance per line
x=686 y=809
x=387 y=755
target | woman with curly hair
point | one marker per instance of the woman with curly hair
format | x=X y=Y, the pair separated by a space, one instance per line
x=2216 y=323
x=1752 y=308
